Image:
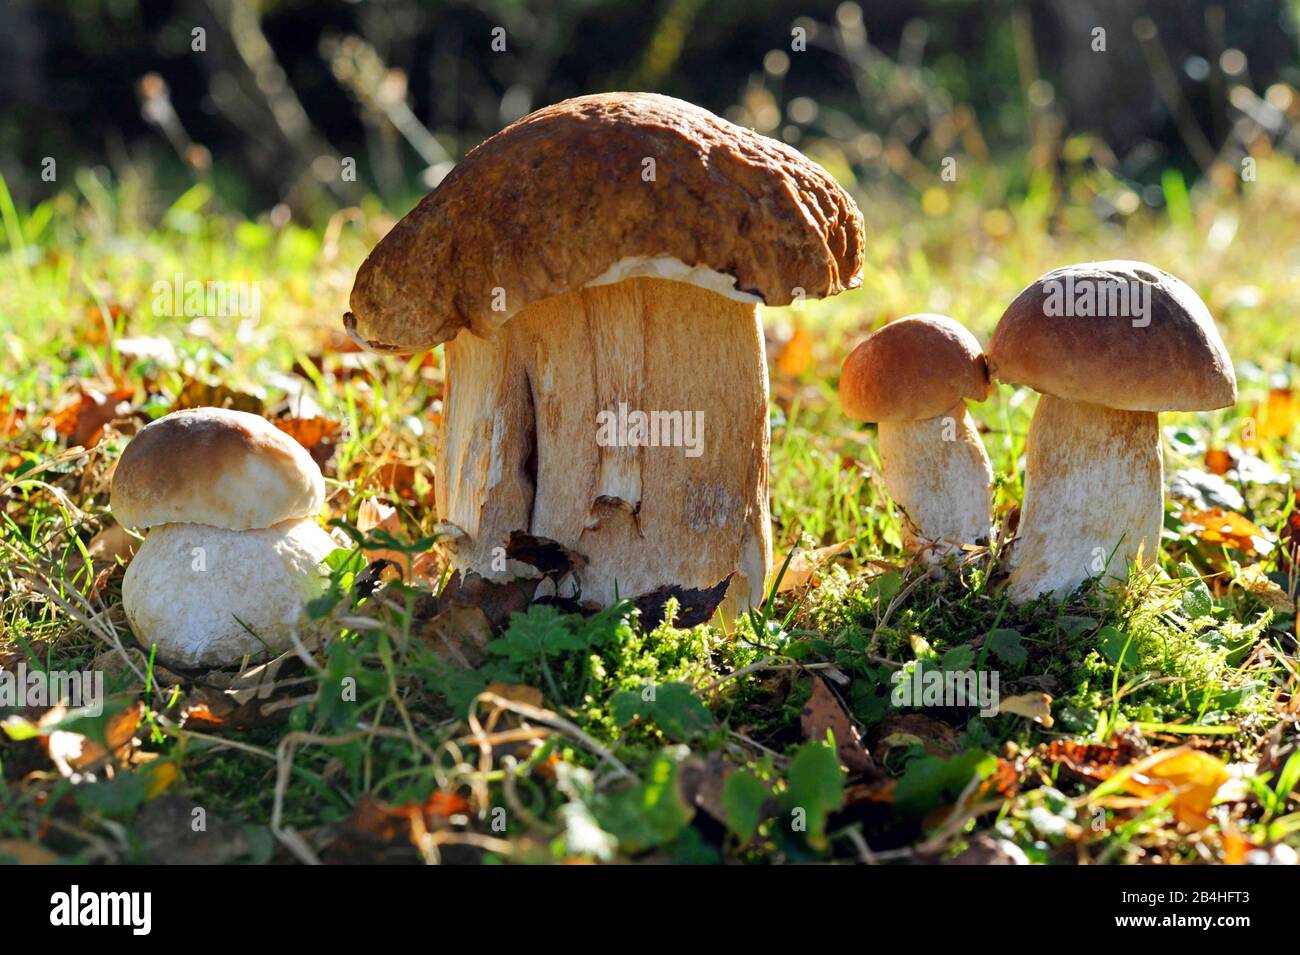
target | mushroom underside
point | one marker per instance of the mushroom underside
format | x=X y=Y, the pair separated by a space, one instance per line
x=1093 y=497
x=207 y=596
x=938 y=473
x=627 y=422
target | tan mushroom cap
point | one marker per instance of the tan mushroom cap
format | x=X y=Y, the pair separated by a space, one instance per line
x=228 y=469
x=1169 y=359
x=914 y=368
x=558 y=198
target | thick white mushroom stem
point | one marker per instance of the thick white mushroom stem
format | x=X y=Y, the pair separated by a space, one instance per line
x=1093 y=497
x=629 y=423
x=938 y=473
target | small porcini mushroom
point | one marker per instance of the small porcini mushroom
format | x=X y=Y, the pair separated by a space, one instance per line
x=913 y=378
x=234 y=550
x=596 y=270
x=1108 y=345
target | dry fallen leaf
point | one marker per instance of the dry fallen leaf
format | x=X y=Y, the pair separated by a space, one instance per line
x=823 y=712
x=199 y=394
x=1094 y=762
x=805 y=563
x=76 y=756
x=11 y=417
x=1032 y=706
x=82 y=418
x=1218 y=461
x=1194 y=776
x=796 y=355
x=26 y=853
x=320 y=436
x=1253 y=579
x=516 y=693
x=1217 y=526
x=907 y=729
x=460 y=633
x=376 y=515
x=1276 y=416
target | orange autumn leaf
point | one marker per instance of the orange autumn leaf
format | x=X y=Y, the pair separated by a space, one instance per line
x=318 y=435
x=11 y=417
x=516 y=693
x=397 y=476
x=796 y=355
x=1193 y=776
x=82 y=418
x=1218 y=461
x=1217 y=526
x=1277 y=415
x=805 y=563
x=99 y=320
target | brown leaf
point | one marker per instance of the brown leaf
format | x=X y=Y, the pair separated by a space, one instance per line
x=906 y=729
x=199 y=394
x=12 y=417
x=1193 y=776
x=1217 y=526
x=805 y=563
x=694 y=607
x=823 y=712
x=76 y=755
x=26 y=853
x=459 y=633
x=1032 y=706
x=1218 y=461
x=397 y=477
x=320 y=436
x=378 y=832
x=1255 y=582
x=516 y=693
x=796 y=355
x=1276 y=416
x=82 y=419
x=1094 y=762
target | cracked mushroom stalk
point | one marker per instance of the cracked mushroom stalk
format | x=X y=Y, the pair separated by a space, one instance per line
x=913 y=378
x=234 y=551
x=607 y=256
x=1108 y=345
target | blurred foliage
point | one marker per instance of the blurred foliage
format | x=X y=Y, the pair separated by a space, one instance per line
x=264 y=99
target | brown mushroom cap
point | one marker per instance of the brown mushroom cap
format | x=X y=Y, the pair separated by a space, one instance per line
x=1177 y=362
x=556 y=199
x=914 y=368
x=212 y=466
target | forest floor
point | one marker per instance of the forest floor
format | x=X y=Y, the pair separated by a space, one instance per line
x=1154 y=722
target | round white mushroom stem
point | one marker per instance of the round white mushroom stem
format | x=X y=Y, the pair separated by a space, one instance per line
x=1093 y=497
x=629 y=423
x=938 y=473
x=207 y=596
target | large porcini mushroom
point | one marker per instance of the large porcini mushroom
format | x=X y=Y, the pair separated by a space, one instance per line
x=1108 y=345
x=913 y=378
x=596 y=271
x=234 y=551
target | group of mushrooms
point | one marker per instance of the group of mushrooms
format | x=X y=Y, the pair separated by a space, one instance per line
x=613 y=251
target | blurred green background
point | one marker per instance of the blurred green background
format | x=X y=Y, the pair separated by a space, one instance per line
x=265 y=98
